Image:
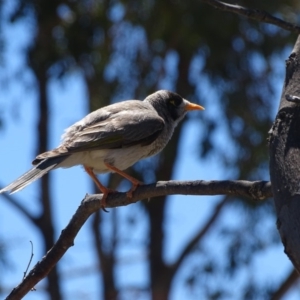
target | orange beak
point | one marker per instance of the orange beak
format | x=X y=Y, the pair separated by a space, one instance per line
x=193 y=106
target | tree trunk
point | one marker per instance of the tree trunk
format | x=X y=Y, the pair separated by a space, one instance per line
x=46 y=220
x=285 y=159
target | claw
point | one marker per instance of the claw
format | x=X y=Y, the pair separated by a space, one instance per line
x=103 y=200
x=133 y=188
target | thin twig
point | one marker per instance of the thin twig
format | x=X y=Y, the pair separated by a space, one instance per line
x=254 y=14
x=30 y=260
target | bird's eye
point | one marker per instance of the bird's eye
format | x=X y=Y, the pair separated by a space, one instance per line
x=175 y=102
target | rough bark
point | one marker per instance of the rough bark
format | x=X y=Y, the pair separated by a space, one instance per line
x=285 y=159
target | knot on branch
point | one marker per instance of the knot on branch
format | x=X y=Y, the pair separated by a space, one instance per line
x=292 y=98
x=260 y=189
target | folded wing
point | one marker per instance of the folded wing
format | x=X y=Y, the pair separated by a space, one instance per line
x=118 y=130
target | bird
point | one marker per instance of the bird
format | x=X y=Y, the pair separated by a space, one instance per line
x=113 y=138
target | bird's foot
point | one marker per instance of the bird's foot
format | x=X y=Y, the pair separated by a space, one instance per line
x=135 y=185
x=103 y=199
x=105 y=191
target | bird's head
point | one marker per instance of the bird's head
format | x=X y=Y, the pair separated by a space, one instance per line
x=171 y=106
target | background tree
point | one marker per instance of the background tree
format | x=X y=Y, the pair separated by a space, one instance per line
x=128 y=49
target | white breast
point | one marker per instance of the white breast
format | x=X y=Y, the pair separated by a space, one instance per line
x=120 y=158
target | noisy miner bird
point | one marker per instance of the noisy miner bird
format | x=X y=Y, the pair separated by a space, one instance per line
x=113 y=138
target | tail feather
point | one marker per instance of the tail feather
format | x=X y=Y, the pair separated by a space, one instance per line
x=35 y=173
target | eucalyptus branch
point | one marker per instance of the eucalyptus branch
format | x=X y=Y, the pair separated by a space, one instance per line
x=257 y=190
x=254 y=14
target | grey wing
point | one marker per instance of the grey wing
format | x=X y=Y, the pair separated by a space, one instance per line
x=119 y=130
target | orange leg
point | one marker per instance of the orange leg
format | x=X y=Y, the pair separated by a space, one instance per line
x=135 y=182
x=100 y=186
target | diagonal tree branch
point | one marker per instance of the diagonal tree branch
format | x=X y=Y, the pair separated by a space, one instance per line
x=254 y=14
x=291 y=280
x=258 y=190
x=20 y=208
x=199 y=235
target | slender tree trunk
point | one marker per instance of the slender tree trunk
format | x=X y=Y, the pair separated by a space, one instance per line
x=160 y=276
x=161 y=273
x=106 y=260
x=46 y=220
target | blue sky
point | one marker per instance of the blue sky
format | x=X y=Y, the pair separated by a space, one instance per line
x=68 y=104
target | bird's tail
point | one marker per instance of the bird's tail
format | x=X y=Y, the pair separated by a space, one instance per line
x=35 y=173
